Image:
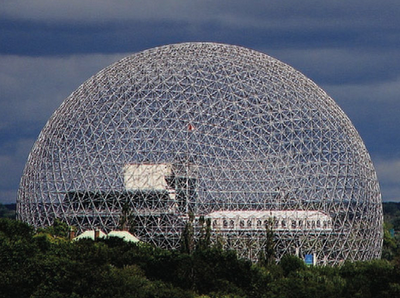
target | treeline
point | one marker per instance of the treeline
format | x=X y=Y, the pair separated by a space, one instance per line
x=7 y=211
x=45 y=263
x=391 y=243
x=391 y=213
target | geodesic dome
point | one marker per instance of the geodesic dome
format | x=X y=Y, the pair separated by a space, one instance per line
x=217 y=131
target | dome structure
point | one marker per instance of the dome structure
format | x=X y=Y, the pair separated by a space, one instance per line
x=183 y=132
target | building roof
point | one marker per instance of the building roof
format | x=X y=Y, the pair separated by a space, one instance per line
x=90 y=234
x=125 y=235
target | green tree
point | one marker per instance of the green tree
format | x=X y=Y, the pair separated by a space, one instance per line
x=15 y=230
x=187 y=237
x=291 y=263
x=59 y=229
x=268 y=255
x=124 y=218
x=205 y=233
x=389 y=249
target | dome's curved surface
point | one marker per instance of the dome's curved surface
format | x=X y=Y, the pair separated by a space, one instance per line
x=210 y=129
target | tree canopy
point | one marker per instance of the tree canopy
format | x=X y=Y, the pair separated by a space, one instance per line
x=45 y=263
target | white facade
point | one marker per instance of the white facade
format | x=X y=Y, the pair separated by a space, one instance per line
x=146 y=176
x=280 y=220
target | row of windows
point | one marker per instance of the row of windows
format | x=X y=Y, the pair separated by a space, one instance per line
x=285 y=224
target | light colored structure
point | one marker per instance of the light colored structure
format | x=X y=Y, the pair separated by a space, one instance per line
x=278 y=220
x=214 y=130
x=125 y=235
x=97 y=234
x=146 y=176
x=91 y=234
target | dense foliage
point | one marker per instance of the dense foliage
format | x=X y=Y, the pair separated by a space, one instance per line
x=391 y=243
x=45 y=263
x=391 y=212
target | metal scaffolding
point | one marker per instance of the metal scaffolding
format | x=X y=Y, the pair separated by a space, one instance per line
x=213 y=130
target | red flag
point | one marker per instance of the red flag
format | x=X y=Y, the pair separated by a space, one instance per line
x=190 y=127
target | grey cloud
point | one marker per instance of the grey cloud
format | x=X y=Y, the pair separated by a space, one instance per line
x=232 y=12
x=13 y=155
x=357 y=22
x=374 y=110
x=388 y=171
x=8 y=196
x=33 y=87
x=49 y=27
x=102 y=11
x=385 y=92
x=341 y=66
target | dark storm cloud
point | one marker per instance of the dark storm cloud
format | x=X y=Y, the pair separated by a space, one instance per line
x=46 y=39
x=342 y=66
x=100 y=26
x=323 y=32
x=48 y=48
x=274 y=14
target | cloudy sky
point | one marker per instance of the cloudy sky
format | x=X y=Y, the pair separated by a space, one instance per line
x=349 y=48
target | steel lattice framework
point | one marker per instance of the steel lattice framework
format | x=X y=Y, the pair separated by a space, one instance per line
x=215 y=130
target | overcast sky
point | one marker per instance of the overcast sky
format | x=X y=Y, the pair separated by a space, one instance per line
x=349 y=48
